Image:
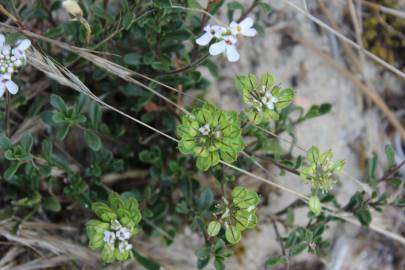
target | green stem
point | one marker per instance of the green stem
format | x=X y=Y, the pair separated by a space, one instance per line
x=7 y=119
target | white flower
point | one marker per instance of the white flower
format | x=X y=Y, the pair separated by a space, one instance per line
x=124 y=246
x=109 y=238
x=269 y=100
x=227 y=46
x=244 y=28
x=7 y=84
x=123 y=234
x=205 y=130
x=210 y=32
x=19 y=51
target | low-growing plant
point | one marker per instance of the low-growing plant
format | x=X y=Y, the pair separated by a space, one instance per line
x=63 y=151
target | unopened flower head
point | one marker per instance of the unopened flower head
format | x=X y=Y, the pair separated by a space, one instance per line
x=115 y=225
x=109 y=238
x=73 y=8
x=226 y=38
x=123 y=234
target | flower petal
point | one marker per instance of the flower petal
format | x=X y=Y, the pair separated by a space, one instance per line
x=246 y=23
x=217 y=48
x=249 y=32
x=2 y=89
x=23 y=44
x=11 y=87
x=232 y=54
x=6 y=49
x=2 y=40
x=204 y=39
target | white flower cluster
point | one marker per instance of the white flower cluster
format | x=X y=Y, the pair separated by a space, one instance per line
x=119 y=233
x=265 y=99
x=226 y=38
x=10 y=60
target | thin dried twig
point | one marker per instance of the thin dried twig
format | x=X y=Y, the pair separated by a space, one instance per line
x=346 y=39
x=387 y=10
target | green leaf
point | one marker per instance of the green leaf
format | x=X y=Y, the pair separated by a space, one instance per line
x=5 y=143
x=232 y=234
x=314 y=205
x=162 y=3
x=317 y=110
x=62 y=132
x=128 y=20
x=364 y=216
x=206 y=199
x=92 y=140
x=390 y=153
x=285 y=98
x=133 y=59
x=276 y=260
x=31 y=201
x=58 y=103
x=10 y=172
x=51 y=204
x=26 y=142
x=313 y=154
x=297 y=249
x=146 y=262
x=213 y=228
x=203 y=164
x=266 y=8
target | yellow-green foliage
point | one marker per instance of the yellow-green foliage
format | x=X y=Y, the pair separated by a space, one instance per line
x=384 y=34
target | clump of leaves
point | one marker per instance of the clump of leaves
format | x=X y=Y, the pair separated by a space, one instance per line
x=320 y=169
x=264 y=98
x=210 y=135
x=235 y=216
x=117 y=222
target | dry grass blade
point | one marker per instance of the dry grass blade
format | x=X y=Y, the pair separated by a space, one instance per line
x=41 y=240
x=347 y=40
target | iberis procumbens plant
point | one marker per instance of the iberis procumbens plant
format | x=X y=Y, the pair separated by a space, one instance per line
x=210 y=135
x=236 y=215
x=264 y=98
x=116 y=224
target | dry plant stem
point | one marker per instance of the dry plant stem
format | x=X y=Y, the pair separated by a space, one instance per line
x=392 y=172
x=348 y=50
x=248 y=10
x=280 y=241
x=370 y=93
x=387 y=10
x=346 y=39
